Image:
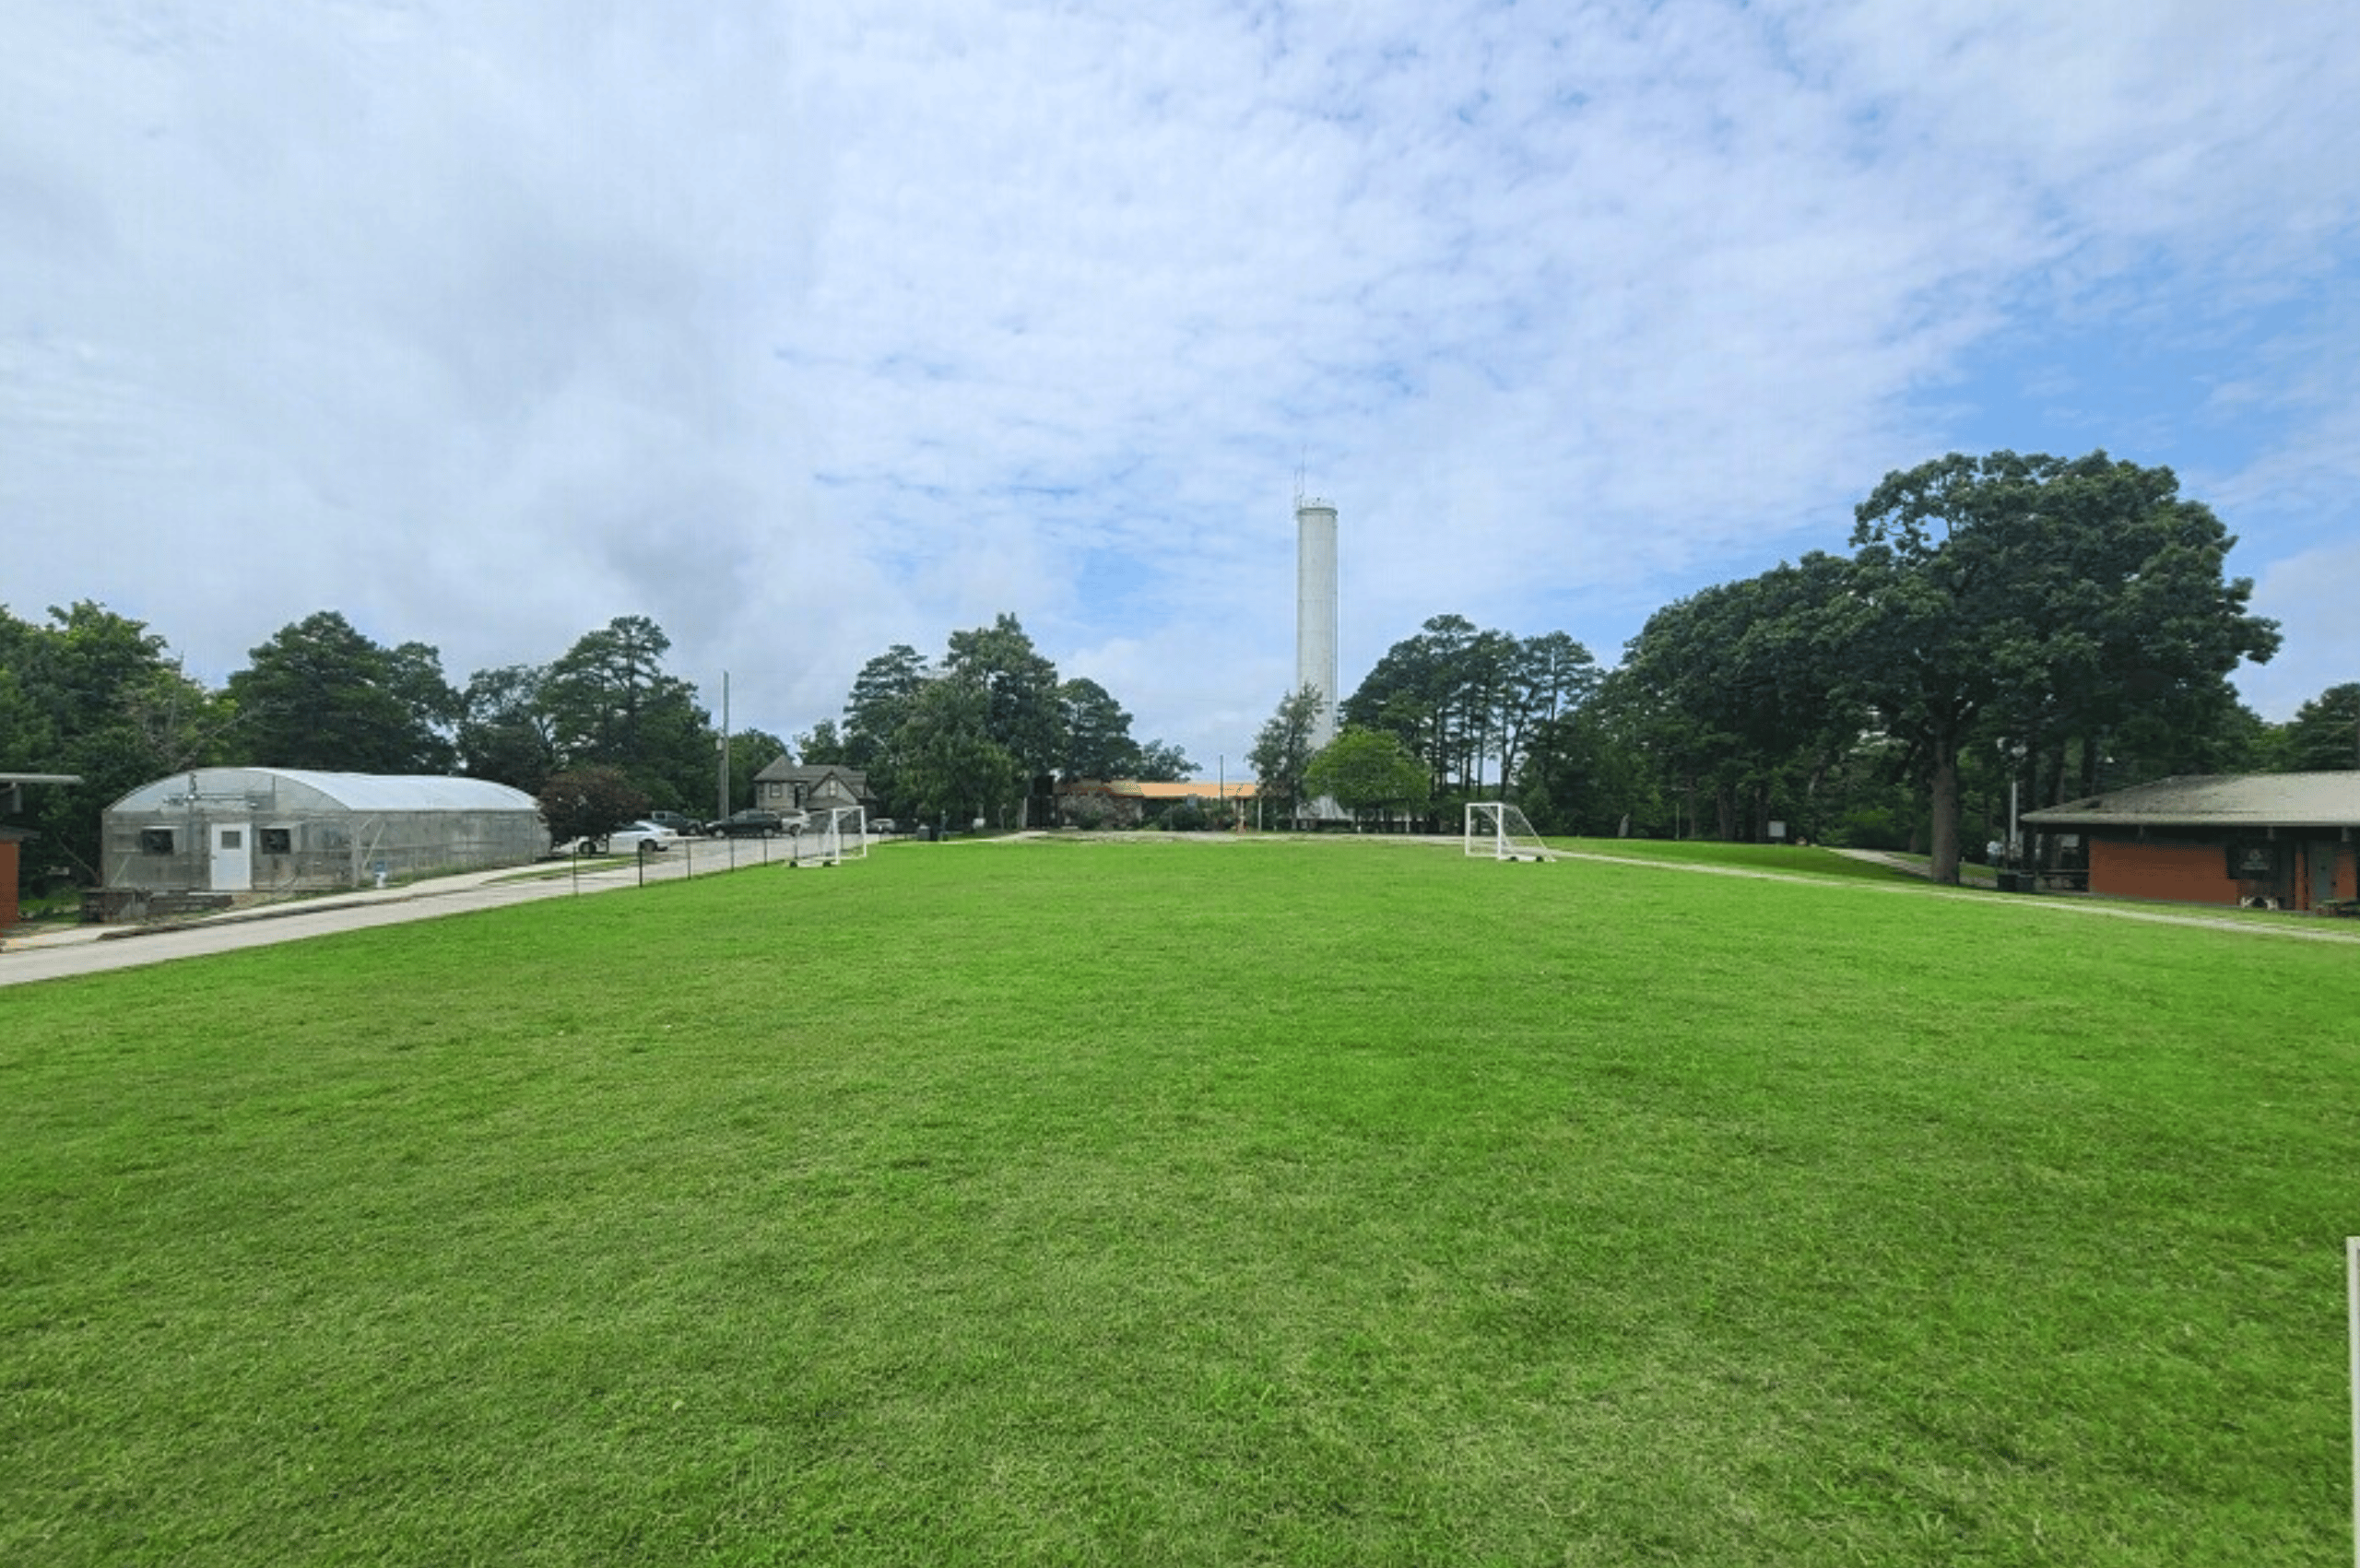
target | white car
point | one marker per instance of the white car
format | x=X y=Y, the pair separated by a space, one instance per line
x=632 y=837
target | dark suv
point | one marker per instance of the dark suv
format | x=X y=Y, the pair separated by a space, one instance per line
x=684 y=826
x=750 y=824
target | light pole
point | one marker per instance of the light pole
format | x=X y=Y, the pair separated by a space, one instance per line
x=2016 y=750
x=721 y=746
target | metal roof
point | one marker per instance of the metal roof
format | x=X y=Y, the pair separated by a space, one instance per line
x=2218 y=800
x=1159 y=789
x=352 y=792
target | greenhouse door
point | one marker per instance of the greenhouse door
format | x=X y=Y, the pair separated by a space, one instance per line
x=233 y=859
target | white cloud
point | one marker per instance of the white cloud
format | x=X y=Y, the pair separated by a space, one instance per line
x=808 y=330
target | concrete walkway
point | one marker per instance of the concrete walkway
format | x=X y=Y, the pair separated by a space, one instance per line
x=1969 y=875
x=91 y=950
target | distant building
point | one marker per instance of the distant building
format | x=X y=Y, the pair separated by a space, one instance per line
x=9 y=839
x=2280 y=841
x=253 y=830
x=12 y=790
x=786 y=786
x=1130 y=802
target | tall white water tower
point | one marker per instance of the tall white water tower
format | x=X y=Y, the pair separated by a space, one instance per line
x=1315 y=609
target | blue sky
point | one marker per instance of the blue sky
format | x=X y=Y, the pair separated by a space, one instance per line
x=811 y=329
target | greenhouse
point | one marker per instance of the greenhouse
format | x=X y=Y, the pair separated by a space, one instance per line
x=256 y=831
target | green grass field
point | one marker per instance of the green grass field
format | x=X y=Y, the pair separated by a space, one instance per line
x=1201 y=1202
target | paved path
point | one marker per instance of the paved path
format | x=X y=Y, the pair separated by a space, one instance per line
x=90 y=949
x=1969 y=876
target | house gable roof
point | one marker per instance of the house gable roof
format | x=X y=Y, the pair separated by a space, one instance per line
x=780 y=771
x=819 y=779
x=2218 y=800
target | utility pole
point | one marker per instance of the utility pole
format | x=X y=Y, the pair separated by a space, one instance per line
x=721 y=811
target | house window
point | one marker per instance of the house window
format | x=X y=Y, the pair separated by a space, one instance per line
x=278 y=841
x=155 y=841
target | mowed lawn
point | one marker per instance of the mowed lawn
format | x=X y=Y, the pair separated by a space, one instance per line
x=1329 y=1203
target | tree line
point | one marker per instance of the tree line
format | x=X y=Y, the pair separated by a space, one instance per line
x=604 y=727
x=95 y=693
x=2067 y=625
x=977 y=733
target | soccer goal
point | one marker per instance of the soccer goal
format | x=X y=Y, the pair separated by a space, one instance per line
x=837 y=832
x=1496 y=831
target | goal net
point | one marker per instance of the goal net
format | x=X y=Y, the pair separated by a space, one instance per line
x=1497 y=831
x=837 y=832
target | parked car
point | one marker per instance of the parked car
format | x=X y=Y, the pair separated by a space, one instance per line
x=753 y=823
x=685 y=826
x=881 y=826
x=628 y=840
x=624 y=840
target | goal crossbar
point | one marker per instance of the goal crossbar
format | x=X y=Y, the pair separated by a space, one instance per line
x=1497 y=831
x=833 y=834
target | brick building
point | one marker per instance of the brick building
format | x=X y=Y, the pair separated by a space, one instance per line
x=2275 y=840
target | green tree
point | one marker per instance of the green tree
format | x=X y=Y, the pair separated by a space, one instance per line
x=1739 y=689
x=1027 y=718
x=589 y=803
x=609 y=700
x=320 y=694
x=821 y=745
x=1366 y=770
x=1281 y=751
x=1458 y=697
x=1160 y=762
x=880 y=696
x=94 y=694
x=1546 y=676
x=504 y=729
x=947 y=763
x=2324 y=734
x=1097 y=743
x=2052 y=595
x=1588 y=770
x=414 y=675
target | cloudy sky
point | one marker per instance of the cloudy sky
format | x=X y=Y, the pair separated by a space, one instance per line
x=808 y=327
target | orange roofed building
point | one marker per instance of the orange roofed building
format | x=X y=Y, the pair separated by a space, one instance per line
x=1136 y=799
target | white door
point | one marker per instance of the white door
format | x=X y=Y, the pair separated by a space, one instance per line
x=233 y=858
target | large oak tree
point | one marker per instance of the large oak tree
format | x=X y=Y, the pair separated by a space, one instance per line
x=2044 y=594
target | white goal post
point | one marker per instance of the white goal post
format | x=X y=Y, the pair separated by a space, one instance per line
x=835 y=832
x=1497 y=831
